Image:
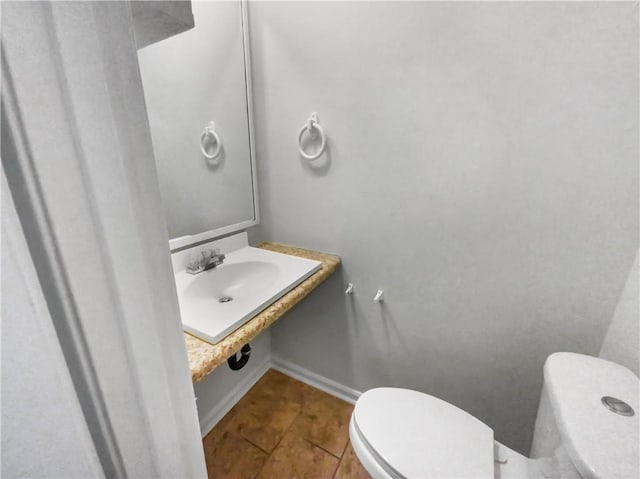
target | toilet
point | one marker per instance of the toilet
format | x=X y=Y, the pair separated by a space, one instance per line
x=586 y=427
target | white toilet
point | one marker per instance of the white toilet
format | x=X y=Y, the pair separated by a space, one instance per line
x=398 y=433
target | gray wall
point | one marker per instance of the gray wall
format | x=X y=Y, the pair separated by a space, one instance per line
x=482 y=169
x=622 y=342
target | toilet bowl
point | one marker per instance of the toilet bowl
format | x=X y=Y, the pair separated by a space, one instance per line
x=399 y=433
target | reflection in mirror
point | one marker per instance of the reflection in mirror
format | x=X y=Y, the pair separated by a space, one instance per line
x=197 y=91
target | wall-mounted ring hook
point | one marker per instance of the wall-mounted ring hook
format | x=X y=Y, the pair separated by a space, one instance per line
x=210 y=133
x=313 y=119
x=314 y=130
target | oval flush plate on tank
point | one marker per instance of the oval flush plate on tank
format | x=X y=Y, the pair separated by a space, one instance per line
x=617 y=406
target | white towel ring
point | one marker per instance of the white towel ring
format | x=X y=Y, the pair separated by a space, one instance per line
x=210 y=130
x=311 y=125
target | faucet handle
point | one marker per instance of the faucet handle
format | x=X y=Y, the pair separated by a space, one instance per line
x=218 y=257
x=207 y=259
x=195 y=264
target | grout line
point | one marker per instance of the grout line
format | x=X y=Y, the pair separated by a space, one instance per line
x=333 y=476
x=320 y=447
x=270 y=454
x=255 y=445
x=342 y=458
x=345 y=447
x=336 y=471
x=259 y=470
x=288 y=429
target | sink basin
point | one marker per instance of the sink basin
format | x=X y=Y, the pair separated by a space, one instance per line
x=237 y=281
x=218 y=301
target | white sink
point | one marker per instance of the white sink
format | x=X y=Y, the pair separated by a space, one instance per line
x=216 y=302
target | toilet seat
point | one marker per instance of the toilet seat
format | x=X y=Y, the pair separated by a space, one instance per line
x=400 y=433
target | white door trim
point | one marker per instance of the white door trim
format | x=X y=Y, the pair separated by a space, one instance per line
x=76 y=151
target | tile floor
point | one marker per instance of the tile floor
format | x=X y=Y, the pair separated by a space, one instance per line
x=283 y=429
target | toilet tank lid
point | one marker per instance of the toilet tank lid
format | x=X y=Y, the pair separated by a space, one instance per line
x=601 y=443
x=420 y=436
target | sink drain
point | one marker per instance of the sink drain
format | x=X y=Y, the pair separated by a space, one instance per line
x=225 y=299
x=618 y=406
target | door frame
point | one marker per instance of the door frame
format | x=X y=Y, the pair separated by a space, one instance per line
x=77 y=155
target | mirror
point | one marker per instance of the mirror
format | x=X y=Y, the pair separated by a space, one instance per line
x=198 y=95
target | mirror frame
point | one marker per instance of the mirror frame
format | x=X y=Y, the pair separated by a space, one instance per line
x=185 y=241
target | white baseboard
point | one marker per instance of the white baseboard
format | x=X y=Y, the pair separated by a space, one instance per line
x=317 y=381
x=224 y=406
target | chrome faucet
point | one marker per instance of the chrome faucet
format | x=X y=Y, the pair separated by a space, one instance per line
x=209 y=258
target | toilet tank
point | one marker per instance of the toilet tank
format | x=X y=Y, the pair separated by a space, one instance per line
x=587 y=423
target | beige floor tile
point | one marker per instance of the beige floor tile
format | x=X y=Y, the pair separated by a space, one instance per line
x=276 y=385
x=350 y=467
x=219 y=431
x=263 y=419
x=324 y=420
x=282 y=429
x=296 y=458
x=231 y=457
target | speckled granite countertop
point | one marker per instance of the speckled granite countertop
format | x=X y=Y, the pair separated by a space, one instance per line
x=205 y=357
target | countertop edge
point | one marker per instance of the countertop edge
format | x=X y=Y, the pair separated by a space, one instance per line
x=204 y=358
